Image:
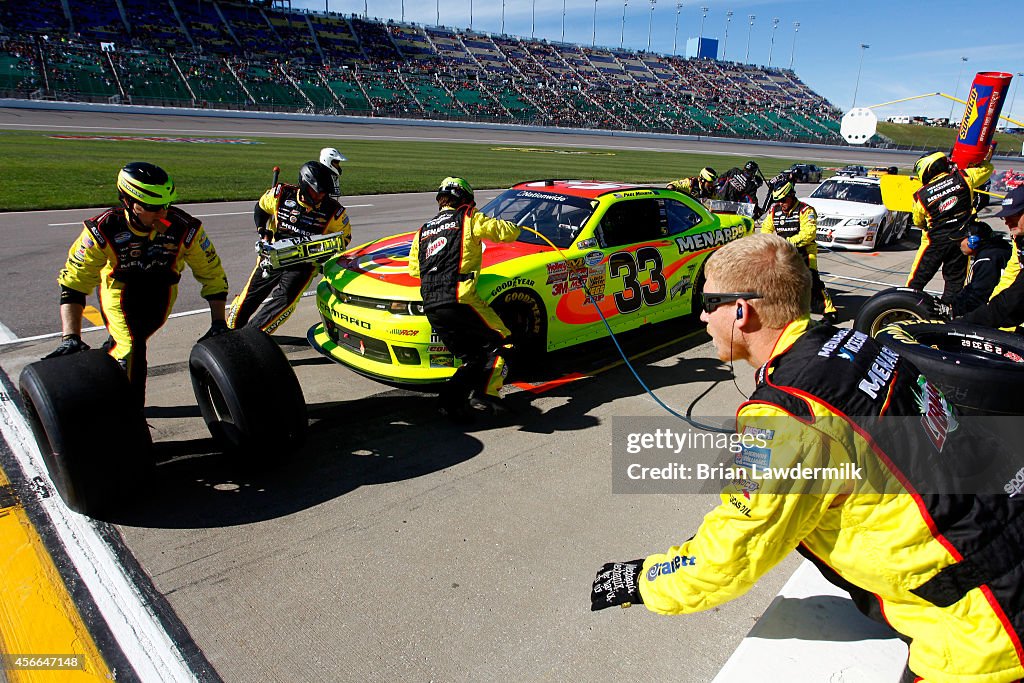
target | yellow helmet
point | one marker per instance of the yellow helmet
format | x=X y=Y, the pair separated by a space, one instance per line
x=931 y=165
x=783 y=191
x=146 y=183
x=458 y=189
x=708 y=174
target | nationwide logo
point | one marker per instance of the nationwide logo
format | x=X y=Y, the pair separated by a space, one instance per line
x=133 y=138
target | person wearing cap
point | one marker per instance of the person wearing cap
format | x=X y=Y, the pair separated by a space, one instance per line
x=446 y=256
x=1006 y=307
x=135 y=253
x=797 y=223
x=942 y=209
x=700 y=186
x=987 y=254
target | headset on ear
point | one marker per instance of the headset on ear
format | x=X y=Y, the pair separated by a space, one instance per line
x=739 y=311
x=974 y=241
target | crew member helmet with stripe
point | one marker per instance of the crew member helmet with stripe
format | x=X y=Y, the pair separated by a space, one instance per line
x=931 y=165
x=332 y=158
x=146 y=183
x=457 y=189
x=782 y=191
x=708 y=174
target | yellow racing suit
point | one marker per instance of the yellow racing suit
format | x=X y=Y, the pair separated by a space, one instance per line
x=799 y=227
x=446 y=255
x=137 y=273
x=943 y=569
x=692 y=186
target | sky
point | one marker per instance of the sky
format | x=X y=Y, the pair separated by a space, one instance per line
x=914 y=47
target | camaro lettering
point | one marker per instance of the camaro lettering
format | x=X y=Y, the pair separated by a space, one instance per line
x=352 y=321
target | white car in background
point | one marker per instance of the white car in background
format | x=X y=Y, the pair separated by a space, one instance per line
x=851 y=214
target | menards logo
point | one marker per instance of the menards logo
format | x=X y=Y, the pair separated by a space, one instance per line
x=707 y=240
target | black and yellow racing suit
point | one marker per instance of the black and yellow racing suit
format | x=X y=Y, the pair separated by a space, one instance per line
x=942 y=209
x=137 y=273
x=799 y=227
x=943 y=569
x=446 y=256
x=693 y=187
x=283 y=214
x=1005 y=309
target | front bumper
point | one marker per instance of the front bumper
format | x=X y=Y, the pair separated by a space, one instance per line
x=847 y=237
x=382 y=345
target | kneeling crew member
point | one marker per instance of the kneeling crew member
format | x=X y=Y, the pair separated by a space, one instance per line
x=700 y=186
x=286 y=212
x=446 y=256
x=1006 y=307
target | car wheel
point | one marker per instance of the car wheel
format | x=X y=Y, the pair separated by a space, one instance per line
x=892 y=306
x=980 y=370
x=64 y=398
x=523 y=314
x=248 y=394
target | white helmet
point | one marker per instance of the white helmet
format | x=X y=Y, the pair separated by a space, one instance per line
x=332 y=158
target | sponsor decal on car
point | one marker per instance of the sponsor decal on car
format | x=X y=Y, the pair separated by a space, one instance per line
x=593 y=258
x=707 y=240
x=403 y=333
x=510 y=283
x=589 y=243
x=442 y=360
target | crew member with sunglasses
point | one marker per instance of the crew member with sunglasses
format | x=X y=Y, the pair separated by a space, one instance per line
x=285 y=212
x=846 y=453
x=135 y=253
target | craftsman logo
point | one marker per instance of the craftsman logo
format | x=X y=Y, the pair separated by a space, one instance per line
x=436 y=246
x=666 y=568
x=948 y=204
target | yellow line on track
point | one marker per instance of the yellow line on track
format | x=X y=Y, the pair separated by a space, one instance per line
x=38 y=617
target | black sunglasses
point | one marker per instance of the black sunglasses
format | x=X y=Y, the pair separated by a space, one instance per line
x=713 y=300
x=153 y=208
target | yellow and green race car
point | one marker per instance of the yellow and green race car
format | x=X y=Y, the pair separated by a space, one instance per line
x=634 y=252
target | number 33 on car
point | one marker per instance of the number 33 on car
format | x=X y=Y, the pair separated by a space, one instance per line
x=635 y=252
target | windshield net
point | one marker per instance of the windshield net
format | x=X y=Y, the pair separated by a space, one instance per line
x=558 y=217
x=850 y=192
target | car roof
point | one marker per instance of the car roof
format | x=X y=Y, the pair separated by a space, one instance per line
x=588 y=189
x=855 y=179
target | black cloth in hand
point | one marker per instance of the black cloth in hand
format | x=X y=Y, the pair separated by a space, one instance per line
x=218 y=328
x=617 y=583
x=69 y=344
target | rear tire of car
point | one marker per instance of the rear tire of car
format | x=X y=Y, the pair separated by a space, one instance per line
x=248 y=394
x=980 y=370
x=523 y=314
x=892 y=306
x=66 y=399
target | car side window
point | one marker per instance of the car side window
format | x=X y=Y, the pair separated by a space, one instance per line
x=632 y=221
x=680 y=217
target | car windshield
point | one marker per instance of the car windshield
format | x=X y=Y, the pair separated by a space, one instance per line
x=863 y=193
x=558 y=217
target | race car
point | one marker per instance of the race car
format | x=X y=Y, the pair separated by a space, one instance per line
x=851 y=214
x=632 y=254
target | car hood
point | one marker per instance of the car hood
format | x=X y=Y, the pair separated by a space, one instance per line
x=838 y=207
x=383 y=265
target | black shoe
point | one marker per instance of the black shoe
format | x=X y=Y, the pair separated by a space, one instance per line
x=830 y=319
x=456 y=412
x=489 y=405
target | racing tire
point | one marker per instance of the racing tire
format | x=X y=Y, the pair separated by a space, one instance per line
x=248 y=394
x=523 y=314
x=892 y=306
x=66 y=399
x=979 y=369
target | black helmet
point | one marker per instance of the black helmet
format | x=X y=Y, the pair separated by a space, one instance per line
x=315 y=180
x=751 y=167
x=456 y=188
x=931 y=165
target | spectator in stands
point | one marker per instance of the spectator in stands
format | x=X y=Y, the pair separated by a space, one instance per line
x=892 y=524
x=700 y=186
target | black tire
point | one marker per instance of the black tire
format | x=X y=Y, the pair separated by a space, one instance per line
x=523 y=313
x=891 y=306
x=980 y=370
x=248 y=394
x=67 y=400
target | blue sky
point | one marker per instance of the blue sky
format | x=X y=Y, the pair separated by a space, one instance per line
x=915 y=46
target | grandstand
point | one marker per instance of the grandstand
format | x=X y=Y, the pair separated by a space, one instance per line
x=239 y=55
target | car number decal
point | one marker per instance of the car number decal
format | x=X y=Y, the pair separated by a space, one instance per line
x=634 y=294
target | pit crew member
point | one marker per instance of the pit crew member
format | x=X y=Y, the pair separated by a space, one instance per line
x=700 y=186
x=1006 y=307
x=332 y=159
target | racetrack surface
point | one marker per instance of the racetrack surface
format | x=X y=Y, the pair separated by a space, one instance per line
x=396 y=546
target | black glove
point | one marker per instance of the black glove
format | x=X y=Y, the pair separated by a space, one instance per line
x=218 y=328
x=266 y=235
x=940 y=309
x=69 y=344
x=618 y=583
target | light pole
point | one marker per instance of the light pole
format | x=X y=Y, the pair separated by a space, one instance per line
x=563 y=20
x=700 y=33
x=471 y=20
x=593 y=35
x=792 y=53
x=771 y=47
x=437 y=8
x=1014 y=98
x=502 y=17
x=675 y=34
x=622 y=31
x=856 y=86
x=403 y=11
x=746 y=57
x=533 y=21
x=650 y=25
x=366 y=12
x=725 y=43
x=963 y=60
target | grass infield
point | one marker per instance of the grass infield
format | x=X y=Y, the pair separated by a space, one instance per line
x=40 y=171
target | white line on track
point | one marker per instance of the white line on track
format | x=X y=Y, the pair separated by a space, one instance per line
x=133 y=624
x=208 y=215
